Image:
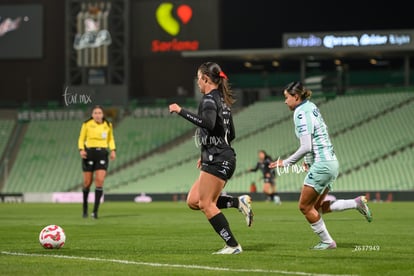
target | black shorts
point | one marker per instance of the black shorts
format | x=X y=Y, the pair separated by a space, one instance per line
x=222 y=165
x=96 y=159
x=270 y=180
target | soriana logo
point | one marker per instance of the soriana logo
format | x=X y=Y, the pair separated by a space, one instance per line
x=172 y=19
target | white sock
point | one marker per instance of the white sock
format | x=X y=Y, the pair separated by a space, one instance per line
x=343 y=204
x=320 y=229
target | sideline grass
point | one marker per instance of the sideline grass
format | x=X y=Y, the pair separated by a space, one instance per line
x=160 y=233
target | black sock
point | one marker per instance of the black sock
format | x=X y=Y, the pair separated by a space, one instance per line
x=98 y=195
x=85 y=200
x=221 y=226
x=227 y=202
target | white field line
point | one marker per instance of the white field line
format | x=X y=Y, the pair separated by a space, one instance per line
x=200 y=267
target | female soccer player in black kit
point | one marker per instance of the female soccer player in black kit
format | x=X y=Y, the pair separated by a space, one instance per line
x=269 y=186
x=218 y=159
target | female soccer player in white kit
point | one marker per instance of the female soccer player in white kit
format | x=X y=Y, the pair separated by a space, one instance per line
x=321 y=163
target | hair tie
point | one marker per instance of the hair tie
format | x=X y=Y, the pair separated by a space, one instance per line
x=222 y=75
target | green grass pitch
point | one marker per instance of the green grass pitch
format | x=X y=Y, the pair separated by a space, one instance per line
x=167 y=238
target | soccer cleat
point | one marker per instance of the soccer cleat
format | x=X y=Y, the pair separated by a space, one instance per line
x=84 y=215
x=94 y=215
x=324 y=246
x=246 y=209
x=230 y=250
x=363 y=208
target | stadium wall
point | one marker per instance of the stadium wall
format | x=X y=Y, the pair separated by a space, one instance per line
x=373 y=196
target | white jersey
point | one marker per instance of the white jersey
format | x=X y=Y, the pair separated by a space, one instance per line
x=308 y=120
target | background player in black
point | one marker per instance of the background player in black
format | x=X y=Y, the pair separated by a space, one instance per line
x=269 y=175
x=218 y=159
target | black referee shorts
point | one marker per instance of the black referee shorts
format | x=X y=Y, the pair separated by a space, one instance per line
x=96 y=159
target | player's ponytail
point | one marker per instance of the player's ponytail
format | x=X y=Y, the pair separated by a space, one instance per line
x=297 y=88
x=217 y=76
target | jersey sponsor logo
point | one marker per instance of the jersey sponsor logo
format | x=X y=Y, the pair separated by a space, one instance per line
x=301 y=128
x=193 y=118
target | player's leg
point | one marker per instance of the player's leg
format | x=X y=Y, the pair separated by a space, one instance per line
x=100 y=168
x=267 y=190
x=99 y=182
x=87 y=182
x=87 y=168
x=210 y=188
x=227 y=201
x=193 y=196
x=276 y=197
x=317 y=184
x=308 y=199
x=242 y=203
x=359 y=203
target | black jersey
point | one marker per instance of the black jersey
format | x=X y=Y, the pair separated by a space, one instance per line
x=215 y=127
x=263 y=166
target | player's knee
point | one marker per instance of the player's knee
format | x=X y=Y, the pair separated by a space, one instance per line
x=205 y=205
x=304 y=208
x=192 y=204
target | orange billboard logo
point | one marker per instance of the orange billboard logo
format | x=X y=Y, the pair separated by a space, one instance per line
x=164 y=15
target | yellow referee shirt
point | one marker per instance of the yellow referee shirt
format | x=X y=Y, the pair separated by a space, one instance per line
x=94 y=135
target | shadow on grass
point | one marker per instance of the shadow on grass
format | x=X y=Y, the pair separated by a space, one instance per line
x=261 y=247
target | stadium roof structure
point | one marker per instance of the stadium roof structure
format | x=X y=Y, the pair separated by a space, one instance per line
x=298 y=53
x=326 y=46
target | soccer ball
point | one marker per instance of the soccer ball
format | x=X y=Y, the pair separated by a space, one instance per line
x=52 y=237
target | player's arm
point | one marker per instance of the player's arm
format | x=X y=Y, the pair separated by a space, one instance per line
x=81 y=141
x=206 y=120
x=304 y=129
x=232 y=135
x=82 y=137
x=111 y=142
x=254 y=169
x=111 y=139
x=304 y=148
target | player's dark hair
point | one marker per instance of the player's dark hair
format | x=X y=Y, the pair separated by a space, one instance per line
x=217 y=76
x=297 y=88
x=266 y=155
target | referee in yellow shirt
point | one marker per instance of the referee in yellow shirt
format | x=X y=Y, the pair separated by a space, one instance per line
x=95 y=138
